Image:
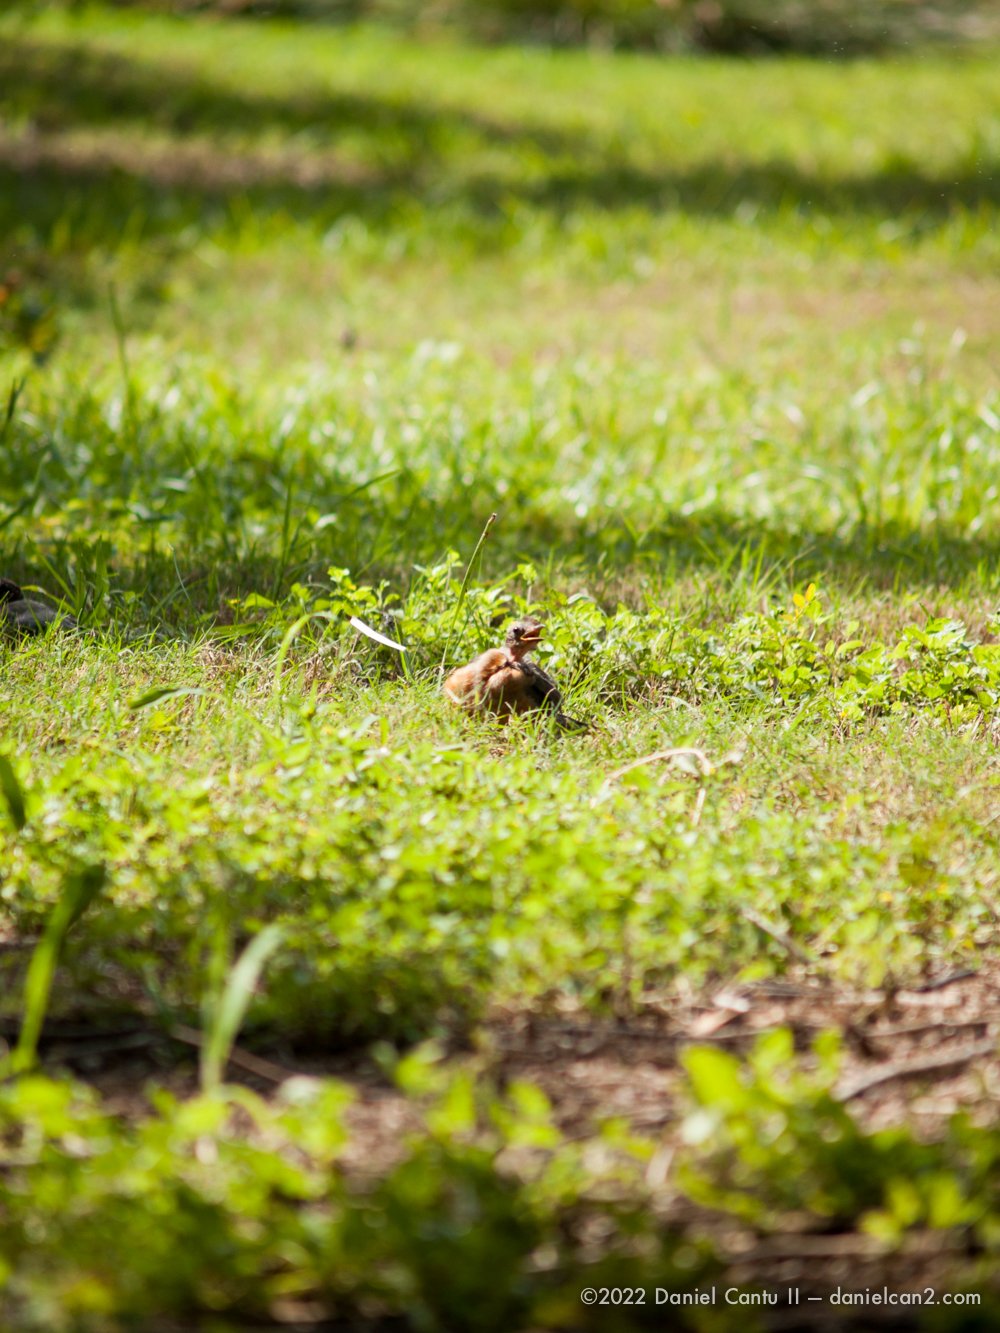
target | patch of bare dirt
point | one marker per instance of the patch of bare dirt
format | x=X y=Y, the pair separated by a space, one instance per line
x=911 y=1056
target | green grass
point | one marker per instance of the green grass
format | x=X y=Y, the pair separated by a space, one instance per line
x=296 y=310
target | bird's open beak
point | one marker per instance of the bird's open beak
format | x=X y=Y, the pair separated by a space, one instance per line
x=529 y=640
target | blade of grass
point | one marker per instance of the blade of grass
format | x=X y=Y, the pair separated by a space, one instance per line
x=286 y=540
x=162 y=692
x=10 y=516
x=465 y=583
x=232 y=1005
x=12 y=794
x=119 y=327
x=79 y=891
x=13 y=394
x=290 y=635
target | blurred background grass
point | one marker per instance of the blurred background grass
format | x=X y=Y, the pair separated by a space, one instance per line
x=657 y=307
x=827 y=27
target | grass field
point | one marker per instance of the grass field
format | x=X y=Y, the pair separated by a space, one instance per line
x=285 y=315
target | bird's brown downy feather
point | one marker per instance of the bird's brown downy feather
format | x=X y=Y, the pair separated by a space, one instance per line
x=493 y=682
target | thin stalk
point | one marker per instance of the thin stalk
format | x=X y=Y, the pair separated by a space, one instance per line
x=13 y=394
x=465 y=583
x=119 y=327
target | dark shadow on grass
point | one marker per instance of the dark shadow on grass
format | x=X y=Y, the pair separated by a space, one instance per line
x=227 y=154
x=173 y=543
x=226 y=148
x=886 y=557
x=193 y=589
x=75 y=87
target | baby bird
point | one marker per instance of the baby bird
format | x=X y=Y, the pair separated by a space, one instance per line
x=22 y=615
x=503 y=681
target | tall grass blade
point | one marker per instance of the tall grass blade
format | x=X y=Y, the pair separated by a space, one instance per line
x=291 y=634
x=126 y=370
x=470 y=568
x=286 y=539
x=233 y=1003
x=12 y=793
x=161 y=693
x=13 y=394
x=79 y=891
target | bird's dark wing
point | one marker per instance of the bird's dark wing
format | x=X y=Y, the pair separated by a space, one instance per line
x=28 y=617
x=541 y=688
x=546 y=694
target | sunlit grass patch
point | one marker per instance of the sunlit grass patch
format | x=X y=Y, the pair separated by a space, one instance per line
x=285 y=316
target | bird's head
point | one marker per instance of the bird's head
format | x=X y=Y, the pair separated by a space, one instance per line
x=522 y=636
x=9 y=591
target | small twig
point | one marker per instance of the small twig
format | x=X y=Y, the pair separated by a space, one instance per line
x=849 y=1246
x=921 y=1029
x=699 y=805
x=465 y=583
x=938 y=1064
x=660 y=756
x=779 y=937
x=948 y=979
x=705 y=768
x=252 y=1064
